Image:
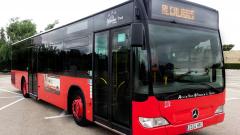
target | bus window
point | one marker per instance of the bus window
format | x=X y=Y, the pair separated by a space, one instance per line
x=140 y=69
x=101 y=74
x=183 y=59
x=78 y=57
x=121 y=76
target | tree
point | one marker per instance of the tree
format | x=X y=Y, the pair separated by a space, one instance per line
x=2 y=36
x=51 y=25
x=18 y=30
x=5 y=56
x=227 y=47
x=4 y=51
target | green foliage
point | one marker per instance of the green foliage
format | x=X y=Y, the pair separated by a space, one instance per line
x=18 y=30
x=4 y=51
x=5 y=57
x=2 y=36
x=51 y=25
x=228 y=47
x=232 y=65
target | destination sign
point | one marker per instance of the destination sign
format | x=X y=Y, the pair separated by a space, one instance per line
x=179 y=12
x=184 y=12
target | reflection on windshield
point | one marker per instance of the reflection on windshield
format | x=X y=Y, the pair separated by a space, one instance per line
x=183 y=58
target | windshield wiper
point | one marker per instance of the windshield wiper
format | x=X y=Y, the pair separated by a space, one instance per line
x=202 y=83
x=210 y=86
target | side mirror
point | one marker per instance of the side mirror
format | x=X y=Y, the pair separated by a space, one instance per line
x=137 y=34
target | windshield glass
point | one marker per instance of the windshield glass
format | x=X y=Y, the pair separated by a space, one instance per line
x=186 y=63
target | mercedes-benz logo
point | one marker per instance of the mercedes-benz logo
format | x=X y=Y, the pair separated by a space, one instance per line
x=195 y=113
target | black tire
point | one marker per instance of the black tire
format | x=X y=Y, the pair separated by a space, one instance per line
x=82 y=121
x=24 y=88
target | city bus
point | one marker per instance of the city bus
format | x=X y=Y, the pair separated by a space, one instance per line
x=143 y=67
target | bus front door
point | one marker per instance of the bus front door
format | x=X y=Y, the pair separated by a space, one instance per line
x=112 y=100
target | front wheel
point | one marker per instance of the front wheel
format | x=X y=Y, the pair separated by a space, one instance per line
x=24 y=89
x=78 y=110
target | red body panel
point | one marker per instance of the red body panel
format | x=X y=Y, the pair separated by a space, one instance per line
x=147 y=109
x=59 y=100
x=178 y=113
x=18 y=77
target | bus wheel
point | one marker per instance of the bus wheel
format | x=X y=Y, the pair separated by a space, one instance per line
x=78 y=110
x=24 y=88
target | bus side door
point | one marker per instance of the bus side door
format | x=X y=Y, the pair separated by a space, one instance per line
x=112 y=100
x=32 y=72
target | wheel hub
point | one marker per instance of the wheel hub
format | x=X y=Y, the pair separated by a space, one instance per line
x=77 y=108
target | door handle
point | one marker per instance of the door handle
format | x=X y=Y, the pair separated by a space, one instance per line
x=104 y=80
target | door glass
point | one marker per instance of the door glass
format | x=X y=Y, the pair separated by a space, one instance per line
x=121 y=77
x=101 y=74
x=32 y=70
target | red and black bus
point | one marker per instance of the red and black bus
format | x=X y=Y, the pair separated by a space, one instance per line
x=144 y=67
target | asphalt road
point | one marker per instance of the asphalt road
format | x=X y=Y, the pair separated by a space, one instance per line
x=19 y=116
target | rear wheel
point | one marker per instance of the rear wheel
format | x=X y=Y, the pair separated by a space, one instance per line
x=78 y=110
x=24 y=88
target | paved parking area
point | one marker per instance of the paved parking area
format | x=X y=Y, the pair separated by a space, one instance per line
x=19 y=116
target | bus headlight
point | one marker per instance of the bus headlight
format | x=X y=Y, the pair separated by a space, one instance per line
x=153 y=122
x=220 y=109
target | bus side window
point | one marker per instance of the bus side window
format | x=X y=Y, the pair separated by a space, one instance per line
x=101 y=80
x=78 y=57
x=140 y=69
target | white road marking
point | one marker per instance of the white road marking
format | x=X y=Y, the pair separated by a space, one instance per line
x=10 y=91
x=58 y=116
x=11 y=97
x=230 y=99
x=8 y=105
x=6 y=78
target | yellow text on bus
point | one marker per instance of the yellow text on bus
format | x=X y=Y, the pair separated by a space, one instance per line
x=178 y=12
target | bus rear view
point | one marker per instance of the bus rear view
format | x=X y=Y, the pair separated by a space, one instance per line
x=183 y=71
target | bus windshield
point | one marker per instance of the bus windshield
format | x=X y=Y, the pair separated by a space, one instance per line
x=186 y=63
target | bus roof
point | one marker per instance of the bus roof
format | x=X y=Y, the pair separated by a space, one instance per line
x=151 y=15
x=64 y=25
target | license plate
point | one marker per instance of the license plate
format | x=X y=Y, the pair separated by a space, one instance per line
x=194 y=126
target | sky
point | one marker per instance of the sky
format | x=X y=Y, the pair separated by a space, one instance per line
x=43 y=12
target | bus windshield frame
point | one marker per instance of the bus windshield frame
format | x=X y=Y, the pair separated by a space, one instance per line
x=192 y=74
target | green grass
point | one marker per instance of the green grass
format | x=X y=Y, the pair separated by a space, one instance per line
x=232 y=65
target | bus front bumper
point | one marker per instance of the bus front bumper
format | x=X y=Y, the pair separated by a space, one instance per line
x=181 y=128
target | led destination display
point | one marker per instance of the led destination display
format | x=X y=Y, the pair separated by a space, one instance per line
x=184 y=12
